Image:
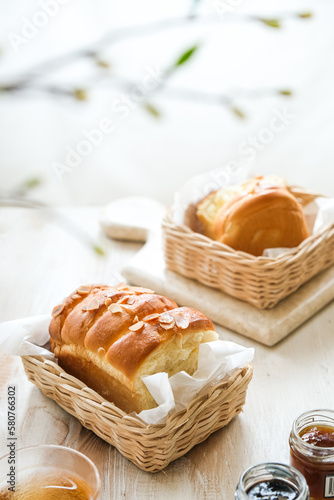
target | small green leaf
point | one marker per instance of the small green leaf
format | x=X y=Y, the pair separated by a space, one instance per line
x=272 y=23
x=98 y=250
x=305 y=15
x=286 y=92
x=150 y=108
x=186 y=56
x=238 y=112
x=32 y=182
x=80 y=94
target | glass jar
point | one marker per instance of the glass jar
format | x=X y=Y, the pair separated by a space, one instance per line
x=272 y=481
x=312 y=451
x=48 y=472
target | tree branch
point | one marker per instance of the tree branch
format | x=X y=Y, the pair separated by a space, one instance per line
x=118 y=34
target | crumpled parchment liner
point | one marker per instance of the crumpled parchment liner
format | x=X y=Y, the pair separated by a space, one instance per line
x=217 y=360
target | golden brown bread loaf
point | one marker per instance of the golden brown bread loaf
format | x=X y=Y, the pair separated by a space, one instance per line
x=260 y=216
x=208 y=207
x=109 y=337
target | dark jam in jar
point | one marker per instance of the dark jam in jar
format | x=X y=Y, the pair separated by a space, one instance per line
x=312 y=451
x=273 y=489
x=272 y=481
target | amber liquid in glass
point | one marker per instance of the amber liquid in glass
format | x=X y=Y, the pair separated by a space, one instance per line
x=319 y=476
x=49 y=484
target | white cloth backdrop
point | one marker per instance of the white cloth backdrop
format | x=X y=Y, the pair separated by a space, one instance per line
x=154 y=157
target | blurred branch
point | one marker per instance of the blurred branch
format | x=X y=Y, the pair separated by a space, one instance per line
x=31 y=80
x=21 y=190
x=51 y=214
x=17 y=197
x=166 y=90
x=119 y=34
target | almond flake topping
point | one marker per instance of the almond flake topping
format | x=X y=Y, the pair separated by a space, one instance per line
x=139 y=290
x=151 y=317
x=107 y=302
x=137 y=326
x=93 y=305
x=84 y=290
x=182 y=321
x=166 y=318
x=123 y=300
x=168 y=326
x=131 y=300
x=76 y=296
x=122 y=286
x=115 y=308
x=126 y=308
x=57 y=310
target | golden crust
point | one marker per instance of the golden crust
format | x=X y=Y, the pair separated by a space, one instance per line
x=208 y=207
x=125 y=333
x=100 y=381
x=130 y=352
x=257 y=214
x=269 y=218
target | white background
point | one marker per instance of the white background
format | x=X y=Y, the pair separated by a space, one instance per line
x=153 y=157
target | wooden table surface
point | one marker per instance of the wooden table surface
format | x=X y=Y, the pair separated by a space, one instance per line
x=41 y=262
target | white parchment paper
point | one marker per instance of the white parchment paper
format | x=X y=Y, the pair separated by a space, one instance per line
x=319 y=214
x=217 y=360
x=26 y=336
x=200 y=186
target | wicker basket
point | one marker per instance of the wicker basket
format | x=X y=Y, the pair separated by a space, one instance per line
x=150 y=447
x=259 y=280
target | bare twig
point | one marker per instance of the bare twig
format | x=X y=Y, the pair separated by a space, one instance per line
x=119 y=34
x=226 y=99
x=52 y=215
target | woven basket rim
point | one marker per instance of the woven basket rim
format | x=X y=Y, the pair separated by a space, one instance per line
x=133 y=421
x=222 y=248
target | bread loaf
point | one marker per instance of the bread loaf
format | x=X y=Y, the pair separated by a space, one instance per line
x=210 y=205
x=109 y=337
x=261 y=216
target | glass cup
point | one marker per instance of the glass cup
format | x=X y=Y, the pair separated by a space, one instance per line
x=48 y=472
